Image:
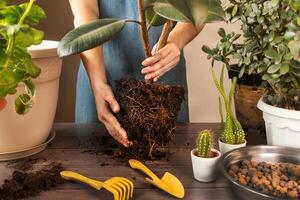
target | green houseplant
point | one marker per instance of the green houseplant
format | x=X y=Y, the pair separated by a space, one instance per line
x=270 y=50
x=204 y=157
x=29 y=74
x=232 y=135
x=147 y=126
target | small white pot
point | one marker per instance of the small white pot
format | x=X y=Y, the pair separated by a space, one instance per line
x=205 y=169
x=224 y=148
x=282 y=125
x=19 y=132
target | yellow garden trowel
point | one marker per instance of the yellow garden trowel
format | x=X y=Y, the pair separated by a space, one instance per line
x=168 y=182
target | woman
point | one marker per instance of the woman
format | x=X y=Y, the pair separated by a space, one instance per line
x=122 y=56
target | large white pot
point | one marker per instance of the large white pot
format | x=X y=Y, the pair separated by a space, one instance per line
x=224 y=147
x=205 y=169
x=282 y=125
x=19 y=132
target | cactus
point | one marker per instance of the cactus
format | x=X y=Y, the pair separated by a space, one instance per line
x=231 y=131
x=204 y=144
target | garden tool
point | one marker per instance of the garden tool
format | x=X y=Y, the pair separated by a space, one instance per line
x=121 y=188
x=169 y=183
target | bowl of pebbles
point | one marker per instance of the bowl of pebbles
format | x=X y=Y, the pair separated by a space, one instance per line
x=263 y=172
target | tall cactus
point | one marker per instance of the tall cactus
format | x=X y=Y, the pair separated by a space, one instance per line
x=231 y=131
x=204 y=144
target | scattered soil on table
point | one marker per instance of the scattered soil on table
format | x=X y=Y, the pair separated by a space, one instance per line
x=279 y=179
x=148 y=113
x=29 y=178
x=105 y=144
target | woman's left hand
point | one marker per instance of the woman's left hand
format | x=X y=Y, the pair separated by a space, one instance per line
x=161 y=62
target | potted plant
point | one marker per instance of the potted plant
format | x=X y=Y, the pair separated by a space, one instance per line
x=271 y=50
x=205 y=158
x=232 y=135
x=230 y=52
x=148 y=127
x=29 y=71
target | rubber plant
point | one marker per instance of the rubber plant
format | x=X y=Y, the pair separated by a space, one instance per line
x=16 y=66
x=204 y=144
x=231 y=131
x=148 y=110
x=269 y=49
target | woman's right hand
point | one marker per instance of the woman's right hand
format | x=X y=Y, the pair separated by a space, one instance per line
x=106 y=104
x=2 y=103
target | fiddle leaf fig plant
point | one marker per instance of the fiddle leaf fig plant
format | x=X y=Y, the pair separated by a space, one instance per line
x=16 y=35
x=155 y=12
x=270 y=46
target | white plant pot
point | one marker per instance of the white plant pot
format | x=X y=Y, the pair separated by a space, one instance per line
x=224 y=148
x=20 y=132
x=282 y=125
x=205 y=169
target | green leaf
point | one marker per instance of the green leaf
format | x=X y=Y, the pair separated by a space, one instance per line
x=10 y=15
x=29 y=37
x=274 y=68
x=215 y=11
x=284 y=68
x=271 y=53
x=206 y=49
x=35 y=15
x=195 y=11
x=89 y=36
x=242 y=71
x=23 y=103
x=3 y=3
x=29 y=87
x=32 y=69
x=152 y=18
x=222 y=32
x=295 y=4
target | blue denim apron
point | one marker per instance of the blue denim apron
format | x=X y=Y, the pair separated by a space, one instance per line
x=123 y=56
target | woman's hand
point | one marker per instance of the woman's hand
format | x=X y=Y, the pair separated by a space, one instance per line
x=161 y=62
x=106 y=104
x=2 y=103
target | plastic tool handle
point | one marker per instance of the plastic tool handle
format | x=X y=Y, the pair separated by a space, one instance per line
x=135 y=164
x=68 y=175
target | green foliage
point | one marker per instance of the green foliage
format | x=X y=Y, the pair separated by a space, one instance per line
x=204 y=144
x=231 y=131
x=16 y=35
x=157 y=12
x=270 y=46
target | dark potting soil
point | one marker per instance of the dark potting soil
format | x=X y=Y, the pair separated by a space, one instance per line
x=29 y=178
x=148 y=113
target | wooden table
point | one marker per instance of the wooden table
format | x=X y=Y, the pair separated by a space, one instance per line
x=66 y=149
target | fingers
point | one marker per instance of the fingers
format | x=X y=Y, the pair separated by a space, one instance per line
x=161 y=62
x=2 y=103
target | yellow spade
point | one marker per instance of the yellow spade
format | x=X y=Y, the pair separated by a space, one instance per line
x=168 y=182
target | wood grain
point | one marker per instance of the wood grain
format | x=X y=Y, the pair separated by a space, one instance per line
x=67 y=150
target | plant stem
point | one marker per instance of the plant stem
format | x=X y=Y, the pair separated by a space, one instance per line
x=144 y=31
x=164 y=35
x=30 y=4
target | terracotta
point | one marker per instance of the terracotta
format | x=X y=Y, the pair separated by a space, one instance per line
x=20 y=132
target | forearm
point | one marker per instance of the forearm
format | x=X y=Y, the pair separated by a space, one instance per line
x=85 y=12
x=183 y=33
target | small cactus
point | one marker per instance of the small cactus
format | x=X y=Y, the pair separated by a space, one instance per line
x=231 y=131
x=204 y=144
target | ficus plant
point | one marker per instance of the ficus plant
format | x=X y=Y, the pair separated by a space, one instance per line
x=16 y=67
x=152 y=12
x=269 y=46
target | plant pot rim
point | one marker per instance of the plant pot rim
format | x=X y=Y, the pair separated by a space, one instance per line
x=245 y=142
x=48 y=48
x=207 y=159
x=282 y=112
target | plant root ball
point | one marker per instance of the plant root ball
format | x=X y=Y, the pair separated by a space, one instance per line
x=148 y=113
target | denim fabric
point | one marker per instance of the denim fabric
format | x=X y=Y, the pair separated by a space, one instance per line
x=123 y=56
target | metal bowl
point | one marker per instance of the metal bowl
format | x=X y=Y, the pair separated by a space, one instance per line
x=271 y=154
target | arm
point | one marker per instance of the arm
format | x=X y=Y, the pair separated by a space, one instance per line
x=86 y=11
x=168 y=57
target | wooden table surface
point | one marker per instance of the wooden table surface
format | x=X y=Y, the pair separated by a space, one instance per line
x=66 y=149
